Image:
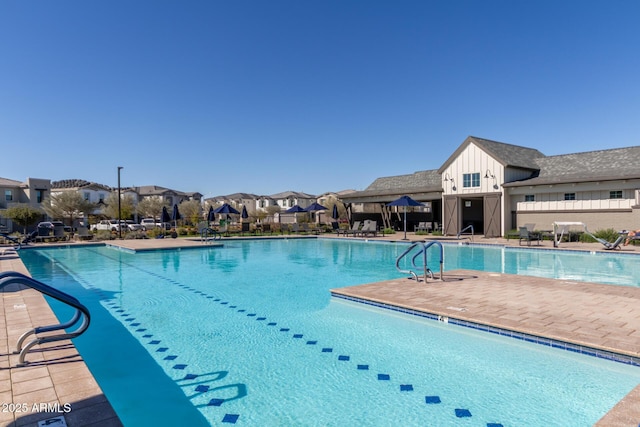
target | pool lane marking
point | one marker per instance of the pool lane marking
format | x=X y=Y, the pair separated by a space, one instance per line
x=228 y=418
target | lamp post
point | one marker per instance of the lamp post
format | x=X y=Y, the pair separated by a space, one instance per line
x=119 y=212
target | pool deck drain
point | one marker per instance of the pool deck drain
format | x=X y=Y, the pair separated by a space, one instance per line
x=596 y=316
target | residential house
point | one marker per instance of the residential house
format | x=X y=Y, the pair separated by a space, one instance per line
x=33 y=191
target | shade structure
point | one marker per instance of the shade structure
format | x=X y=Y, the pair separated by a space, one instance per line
x=175 y=215
x=211 y=216
x=405 y=201
x=295 y=209
x=226 y=209
x=244 y=214
x=165 y=215
x=335 y=214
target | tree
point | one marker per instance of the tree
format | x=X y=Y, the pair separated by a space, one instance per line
x=22 y=214
x=191 y=211
x=126 y=206
x=151 y=207
x=67 y=204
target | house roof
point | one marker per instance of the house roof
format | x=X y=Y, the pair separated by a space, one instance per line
x=420 y=182
x=508 y=155
x=287 y=194
x=6 y=182
x=601 y=165
x=78 y=184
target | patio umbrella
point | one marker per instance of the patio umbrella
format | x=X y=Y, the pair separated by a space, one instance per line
x=226 y=209
x=244 y=214
x=335 y=214
x=295 y=209
x=211 y=216
x=405 y=201
x=165 y=215
x=315 y=207
x=176 y=215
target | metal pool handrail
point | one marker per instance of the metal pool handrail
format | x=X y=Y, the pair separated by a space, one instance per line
x=422 y=250
x=468 y=227
x=11 y=277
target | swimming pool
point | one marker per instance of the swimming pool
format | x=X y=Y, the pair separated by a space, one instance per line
x=248 y=334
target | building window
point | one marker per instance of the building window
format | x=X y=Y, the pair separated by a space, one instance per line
x=569 y=196
x=100 y=197
x=262 y=203
x=39 y=196
x=529 y=198
x=471 y=180
x=8 y=195
x=615 y=194
x=86 y=195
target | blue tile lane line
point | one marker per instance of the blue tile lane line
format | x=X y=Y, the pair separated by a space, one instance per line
x=202 y=388
x=228 y=418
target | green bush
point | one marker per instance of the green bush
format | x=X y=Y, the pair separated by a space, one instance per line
x=389 y=231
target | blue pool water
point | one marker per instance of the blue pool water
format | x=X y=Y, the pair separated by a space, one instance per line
x=248 y=334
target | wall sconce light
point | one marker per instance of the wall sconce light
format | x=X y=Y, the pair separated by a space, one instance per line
x=448 y=177
x=489 y=175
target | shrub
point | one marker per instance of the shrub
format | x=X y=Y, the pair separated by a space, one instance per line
x=389 y=231
x=104 y=235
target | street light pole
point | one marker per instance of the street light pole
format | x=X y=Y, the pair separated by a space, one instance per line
x=119 y=212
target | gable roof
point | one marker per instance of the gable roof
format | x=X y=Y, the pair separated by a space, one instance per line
x=508 y=155
x=78 y=184
x=6 y=182
x=600 y=165
x=287 y=194
x=420 y=182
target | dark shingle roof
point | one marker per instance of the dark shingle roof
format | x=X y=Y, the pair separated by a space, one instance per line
x=601 y=165
x=420 y=179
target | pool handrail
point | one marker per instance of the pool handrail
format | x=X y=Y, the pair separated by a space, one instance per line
x=468 y=227
x=423 y=247
x=13 y=277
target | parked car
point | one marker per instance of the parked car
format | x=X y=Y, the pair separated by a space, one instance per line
x=132 y=226
x=148 y=224
x=106 y=224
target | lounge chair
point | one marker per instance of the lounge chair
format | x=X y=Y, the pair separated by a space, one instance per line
x=423 y=226
x=284 y=228
x=353 y=230
x=245 y=228
x=370 y=228
x=306 y=229
x=528 y=236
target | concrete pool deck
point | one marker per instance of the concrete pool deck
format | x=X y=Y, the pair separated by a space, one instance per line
x=597 y=316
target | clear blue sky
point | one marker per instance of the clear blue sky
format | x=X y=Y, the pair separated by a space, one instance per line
x=268 y=96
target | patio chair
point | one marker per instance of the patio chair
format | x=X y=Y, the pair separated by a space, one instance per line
x=284 y=228
x=353 y=230
x=528 y=236
x=370 y=228
x=423 y=226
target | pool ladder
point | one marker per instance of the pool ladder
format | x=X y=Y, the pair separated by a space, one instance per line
x=81 y=312
x=420 y=249
x=468 y=227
